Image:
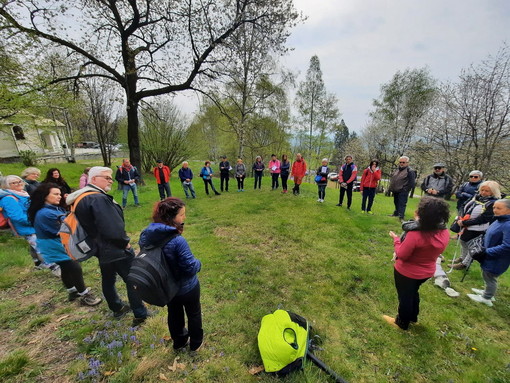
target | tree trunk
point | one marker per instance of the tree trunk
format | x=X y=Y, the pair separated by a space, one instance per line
x=133 y=133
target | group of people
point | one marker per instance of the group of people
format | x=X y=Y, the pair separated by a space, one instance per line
x=38 y=218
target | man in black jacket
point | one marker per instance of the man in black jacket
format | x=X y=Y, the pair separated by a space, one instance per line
x=438 y=184
x=103 y=220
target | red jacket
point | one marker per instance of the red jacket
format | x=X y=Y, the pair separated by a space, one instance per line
x=369 y=179
x=417 y=254
x=299 y=168
x=166 y=172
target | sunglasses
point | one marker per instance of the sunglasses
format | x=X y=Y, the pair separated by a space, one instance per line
x=402 y=162
x=437 y=168
x=473 y=176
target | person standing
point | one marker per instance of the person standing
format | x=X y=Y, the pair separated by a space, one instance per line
x=298 y=172
x=415 y=258
x=224 y=173
x=240 y=172
x=258 y=171
x=284 y=172
x=346 y=178
x=206 y=174
x=168 y=221
x=84 y=178
x=368 y=185
x=497 y=253
x=46 y=215
x=186 y=177
x=274 y=169
x=162 y=175
x=438 y=184
x=402 y=181
x=103 y=220
x=468 y=190
x=322 y=179
x=127 y=176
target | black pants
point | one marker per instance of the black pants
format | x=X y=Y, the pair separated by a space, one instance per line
x=258 y=178
x=295 y=189
x=224 y=177
x=164 y=188
x=322 y=191
x=284 y=181
x=349 y=194
x=368 y=193
x=240 y=183
x=207 y=183
x=189 y=303
x=72 y=275
x=408 y=299
x=274 y=180
x=400 y=202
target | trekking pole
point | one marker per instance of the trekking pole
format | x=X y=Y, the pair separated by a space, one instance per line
x=457 y=245
x=319 y=363
x=466 y=271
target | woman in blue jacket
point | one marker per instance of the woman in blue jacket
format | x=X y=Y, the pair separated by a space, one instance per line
x=14 y=202
x=46 y=215
x=206 y=174
x=169 y=216
x=497 y=250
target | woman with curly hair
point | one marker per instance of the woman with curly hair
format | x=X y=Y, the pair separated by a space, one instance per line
x=415 y=257
x=54 y=176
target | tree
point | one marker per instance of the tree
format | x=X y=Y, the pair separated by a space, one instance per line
x=148 y=48
x=164 y=135
x=401 y=107
x=318 y=110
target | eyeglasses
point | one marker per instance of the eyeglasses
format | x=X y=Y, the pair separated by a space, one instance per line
x=473 y=176
x=16 y=183
x=108 y=178
x=437 y=168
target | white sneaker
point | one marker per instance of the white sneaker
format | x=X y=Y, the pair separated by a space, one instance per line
x=451 y=292
x=319 y=200
x=480 y=292
x=480 y=299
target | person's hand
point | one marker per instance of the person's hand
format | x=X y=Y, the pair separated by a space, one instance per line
x=460 y=223
x=393 y=235
x=128 y=246
x=126 y=182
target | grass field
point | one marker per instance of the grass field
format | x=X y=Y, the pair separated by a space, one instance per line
x=260 y=250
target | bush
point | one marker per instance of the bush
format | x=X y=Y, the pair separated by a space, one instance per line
x=28 y=157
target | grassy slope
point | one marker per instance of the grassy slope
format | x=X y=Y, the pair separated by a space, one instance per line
x=261 y=250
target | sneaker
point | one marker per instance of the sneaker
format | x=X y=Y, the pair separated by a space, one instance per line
x=363 y=211
x=480 y=299
x=122 y=312
x=73 y=296
x=198 y=348
x=137 y=205
x=55 y=270
x=90 y=299
x=451 y=292
x=319 y=200
x=370 y=212
x=442 y=282
x=480 y=292
x=339 y=204
x=139 y=321
x=181 y=347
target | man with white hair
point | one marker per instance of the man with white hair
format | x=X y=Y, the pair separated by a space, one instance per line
x=103 y=220
x=402 y=181
x=186 y=175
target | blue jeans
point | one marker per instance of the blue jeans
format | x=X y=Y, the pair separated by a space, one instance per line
x=125 y=190
x=189 y=186
x=109 y=273
x=400 y=202
x=370 y=194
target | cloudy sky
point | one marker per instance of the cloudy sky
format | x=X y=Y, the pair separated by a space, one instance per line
x=361 y=44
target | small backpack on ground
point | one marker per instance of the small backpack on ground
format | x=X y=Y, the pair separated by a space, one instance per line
x=151 y=275
x=73 y=236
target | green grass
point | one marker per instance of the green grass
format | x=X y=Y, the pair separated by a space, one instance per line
x=261 y=250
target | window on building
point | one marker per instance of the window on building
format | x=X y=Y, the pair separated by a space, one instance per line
x=18 y=132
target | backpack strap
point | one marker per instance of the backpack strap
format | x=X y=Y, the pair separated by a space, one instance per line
x=79 y=198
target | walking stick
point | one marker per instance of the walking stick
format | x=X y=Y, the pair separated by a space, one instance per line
x=457 y=245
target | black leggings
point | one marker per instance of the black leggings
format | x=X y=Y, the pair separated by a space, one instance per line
x=240 y=182
x=284 y=181
x=408 y=299
x=274 y=180
x=72 y=275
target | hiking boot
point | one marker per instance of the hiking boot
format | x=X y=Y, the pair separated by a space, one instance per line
x=73 y=296
x=480 y=299
x=90 y=299
x=122 y=312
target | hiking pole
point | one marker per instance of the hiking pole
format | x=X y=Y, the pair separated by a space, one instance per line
x=319 y=363
x=466 y=270
x=457 y=245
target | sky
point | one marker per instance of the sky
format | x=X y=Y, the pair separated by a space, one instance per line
x=361 y=44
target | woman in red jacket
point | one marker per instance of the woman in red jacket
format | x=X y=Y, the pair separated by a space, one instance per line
x=298 y=172
x=416 y=256
x=368 y=185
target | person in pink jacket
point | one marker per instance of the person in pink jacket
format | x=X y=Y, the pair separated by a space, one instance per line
x=369 y=180
x=415 y=257
x=346 y=178
x=274 y=169
x=298 y=172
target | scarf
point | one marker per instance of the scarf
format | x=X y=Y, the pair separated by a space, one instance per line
x=22 y=193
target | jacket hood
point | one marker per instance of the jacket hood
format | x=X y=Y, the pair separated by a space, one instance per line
x=72 y=197
x=155 y=233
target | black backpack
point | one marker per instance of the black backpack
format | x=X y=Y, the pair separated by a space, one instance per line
x=151 y=276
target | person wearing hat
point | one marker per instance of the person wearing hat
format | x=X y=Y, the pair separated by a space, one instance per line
x=438 y=184
x=162 y=175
